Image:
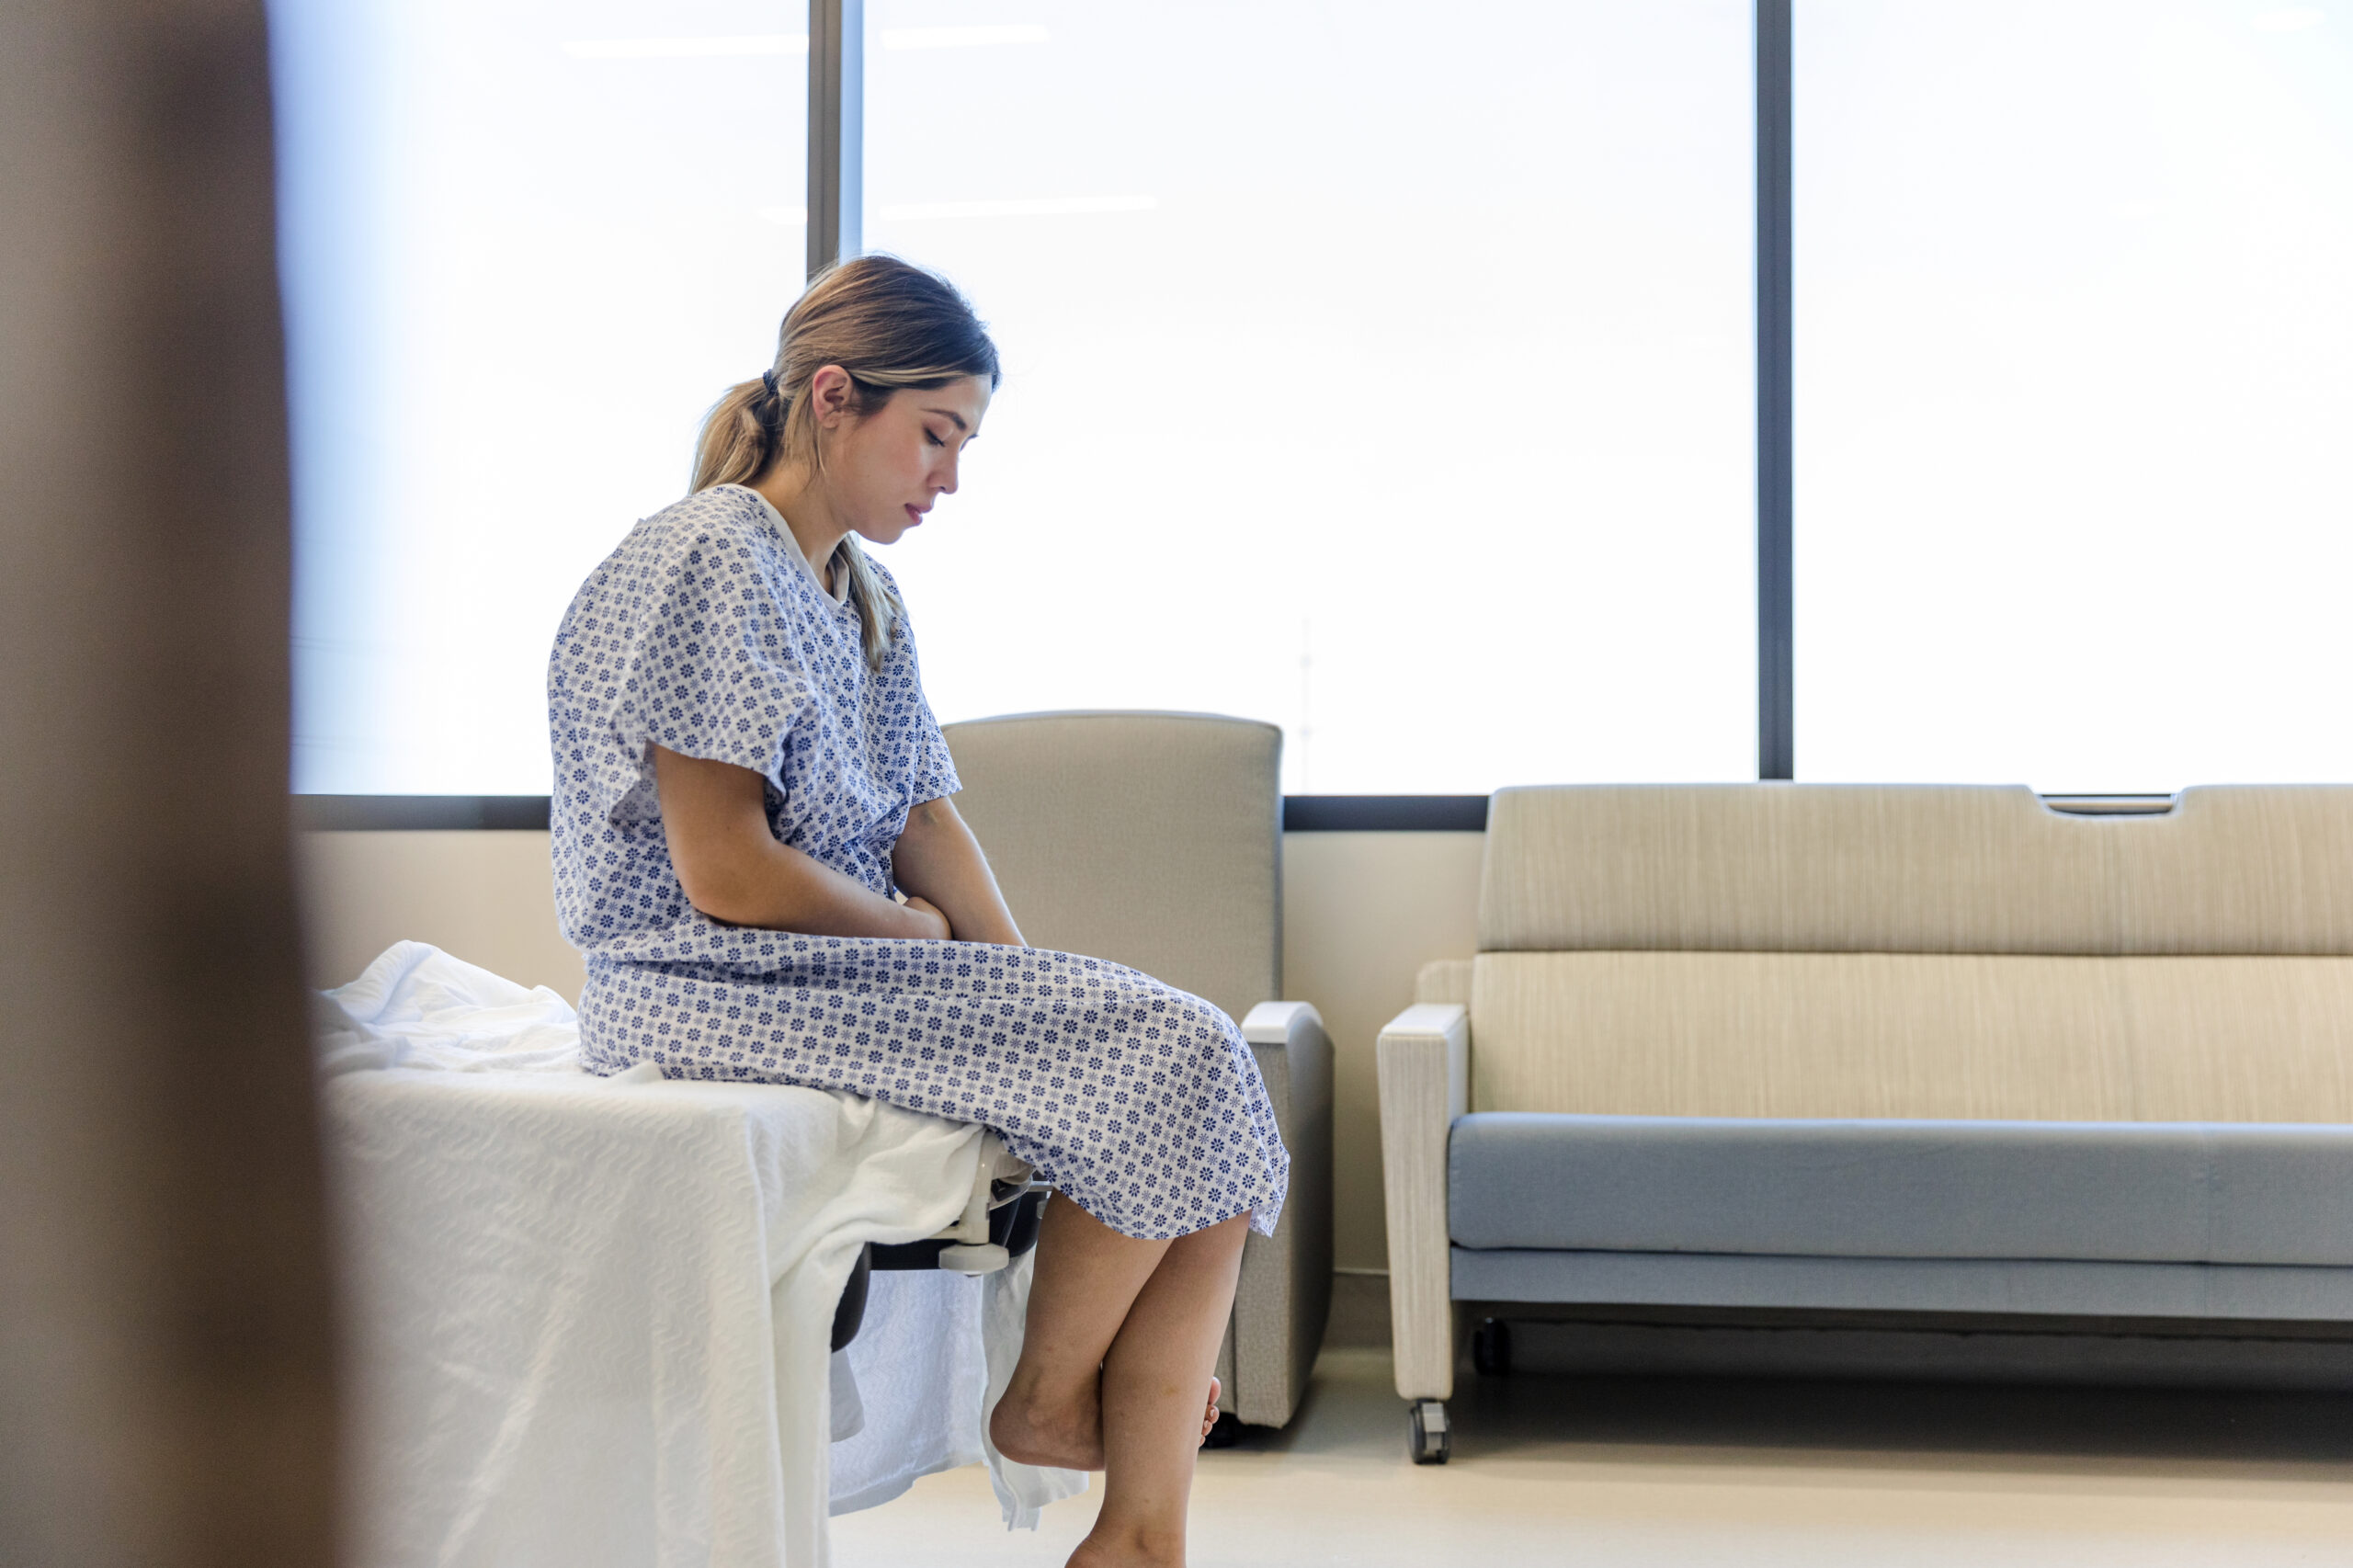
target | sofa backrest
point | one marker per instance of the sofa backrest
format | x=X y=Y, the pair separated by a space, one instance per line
x=1906 y=868
x=1151 y=839
x=1784 y=949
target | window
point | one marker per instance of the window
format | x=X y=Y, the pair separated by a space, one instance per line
x=1384 y=377
x=526 y=245
x=1384 y=373
x=2075 y=370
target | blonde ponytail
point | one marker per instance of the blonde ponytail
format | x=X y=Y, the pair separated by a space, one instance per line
x=891 y=325
x=737 y=443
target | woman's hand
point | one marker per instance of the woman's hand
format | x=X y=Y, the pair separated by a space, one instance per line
x=928 y=912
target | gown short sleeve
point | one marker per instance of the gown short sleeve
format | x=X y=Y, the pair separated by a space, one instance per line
x=716 y=673
x=935 y=773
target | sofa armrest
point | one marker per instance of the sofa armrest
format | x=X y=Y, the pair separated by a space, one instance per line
x=1285 y=1291
x=1424 y=1061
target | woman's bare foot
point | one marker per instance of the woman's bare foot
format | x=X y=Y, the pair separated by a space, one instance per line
x=1067 y=1434
x=1036 y=1429
x=1109 y=1549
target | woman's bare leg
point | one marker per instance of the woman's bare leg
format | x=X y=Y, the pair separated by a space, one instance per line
x=1086 y=1277
x=1120 y=1338
x=1152 y=1377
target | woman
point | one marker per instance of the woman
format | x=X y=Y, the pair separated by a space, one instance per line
x=755 y=846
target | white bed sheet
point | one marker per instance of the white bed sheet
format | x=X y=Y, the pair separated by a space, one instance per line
x=587 y=1318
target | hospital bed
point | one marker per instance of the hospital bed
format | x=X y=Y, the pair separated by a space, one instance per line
x=591 y=1321
x=997 y=1225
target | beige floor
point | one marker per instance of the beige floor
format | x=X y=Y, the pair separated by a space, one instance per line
x=1652 y=1473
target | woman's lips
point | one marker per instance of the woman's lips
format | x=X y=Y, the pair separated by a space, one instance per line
x=913 y=513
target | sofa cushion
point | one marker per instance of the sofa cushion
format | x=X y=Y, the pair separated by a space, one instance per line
x=1925 y=868
x=2123 y=1192
x=1914 y=1035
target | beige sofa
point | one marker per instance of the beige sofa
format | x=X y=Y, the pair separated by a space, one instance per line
x=1882 y=1051
x=1155 y=840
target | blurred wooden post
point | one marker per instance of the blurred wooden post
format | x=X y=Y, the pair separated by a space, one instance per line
x=166 y=1341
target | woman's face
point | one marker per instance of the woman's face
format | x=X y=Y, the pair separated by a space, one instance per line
x=886 y=468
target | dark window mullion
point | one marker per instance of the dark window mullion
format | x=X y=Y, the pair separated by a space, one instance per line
x=1775 y=705
x=837 y=205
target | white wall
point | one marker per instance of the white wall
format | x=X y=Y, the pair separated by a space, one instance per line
x=487 y=897
x=1361 y=913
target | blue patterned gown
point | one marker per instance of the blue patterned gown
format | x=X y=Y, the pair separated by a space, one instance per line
x=706 y=632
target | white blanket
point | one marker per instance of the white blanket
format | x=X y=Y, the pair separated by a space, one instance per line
x=587 y=1318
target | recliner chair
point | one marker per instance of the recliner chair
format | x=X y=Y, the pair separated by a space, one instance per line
x=1155 y=840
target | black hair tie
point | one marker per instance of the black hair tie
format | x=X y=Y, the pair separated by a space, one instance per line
x=767 y=380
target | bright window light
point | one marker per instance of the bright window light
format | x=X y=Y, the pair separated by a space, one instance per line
x=1019 y=207
x=2290 y=18
x=1382 y=373
x=727 y=47
x=525 y=244
x=2075 y=372
x=961 y=38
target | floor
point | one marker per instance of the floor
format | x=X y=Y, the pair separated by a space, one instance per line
x=1652 y=1472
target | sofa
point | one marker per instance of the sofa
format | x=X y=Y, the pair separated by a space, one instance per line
x=1155 y=840
x=1890 y=1053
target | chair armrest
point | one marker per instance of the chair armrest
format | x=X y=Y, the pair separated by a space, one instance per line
x=1424 y=1061
x=1285 y=1292
x=1280 y=1022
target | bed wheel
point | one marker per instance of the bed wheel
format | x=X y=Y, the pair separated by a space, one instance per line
x=1491 y=1347
x=1427 y=1436
x=1225 y=1432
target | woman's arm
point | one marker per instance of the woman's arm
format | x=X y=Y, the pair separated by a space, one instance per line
x=937 y=857
x=733 y=870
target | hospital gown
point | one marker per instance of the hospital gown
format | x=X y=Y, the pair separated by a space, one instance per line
x=706 y=632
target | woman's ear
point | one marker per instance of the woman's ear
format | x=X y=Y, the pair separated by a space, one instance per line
x=831 y=396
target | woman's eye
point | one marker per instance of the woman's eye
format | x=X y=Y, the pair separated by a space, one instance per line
x=935 y=440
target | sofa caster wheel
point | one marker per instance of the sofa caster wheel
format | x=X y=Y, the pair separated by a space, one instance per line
x=1428 y=1439
x=1491 y=1347
x=1225 y=1432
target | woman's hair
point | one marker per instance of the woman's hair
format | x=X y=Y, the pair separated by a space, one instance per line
x=891 y=325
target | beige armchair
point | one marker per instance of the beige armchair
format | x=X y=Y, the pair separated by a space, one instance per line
x=1155 y=840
